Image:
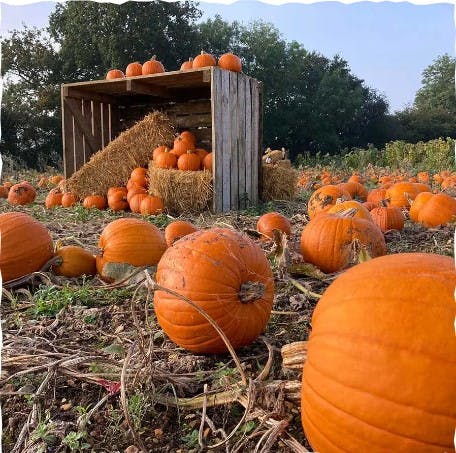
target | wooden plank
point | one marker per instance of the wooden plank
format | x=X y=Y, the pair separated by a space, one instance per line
x=260 y=139
x=76 y=93
x=67 y=138
x=114 y=119
x=255 y=140
x=226 y=143
x=83 y=123
x=96 y=125
x=78 y=138
x=217 y=141
x=189 y=121
x=233 y=134
x=105 y=138
x=190 y=107
x=139 y=87
x=87 y=114
x=248 y=139
x=243 y=195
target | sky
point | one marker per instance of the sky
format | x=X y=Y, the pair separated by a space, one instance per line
x=386 y=44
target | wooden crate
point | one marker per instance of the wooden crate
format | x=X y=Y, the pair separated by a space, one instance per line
x=223 y=109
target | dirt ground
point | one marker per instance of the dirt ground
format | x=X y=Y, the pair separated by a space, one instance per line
x=85 y=366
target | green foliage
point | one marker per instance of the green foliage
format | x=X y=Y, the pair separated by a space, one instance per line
x=76 y=440
x=191 y=439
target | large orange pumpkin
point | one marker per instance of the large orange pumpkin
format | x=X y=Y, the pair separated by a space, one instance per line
x=401 y=193
x=94 y=201
x=131 y=241
x=361 y=211
x=53 y=198
x=75 y=261
x=388 y=218
x=227 y=275
x=230 y=62
x=381 y=363
x=432 y=210
x=202 y=60
x=271 y=221
x=325 y=197
x=327 y=241
x=21 y=194
x=152 y=66
x=151 y=205
x=26 y=245
x=115 y=74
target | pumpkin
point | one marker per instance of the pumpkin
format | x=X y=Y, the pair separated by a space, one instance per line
x=117 y=200
x=132 y=241
x=401 y=193
x=131 y=185
x=8 y=184
x=360 y=211
x=4 y=192
x=53 y=198
x=202 y=153
x=325 y=197
x=166 y=159
x=94 y=201
x=328 y=240
x=69 y=199
x=26 y=245
x=203 y=59
x=75 y=261
x=21 y=194
x=182 y=145
x=56 y=179
x=115 y=74
x=187 y=64
x=355 y=189
x=230 y=62
x=43 y=182
x=190 y=161
x=377 y=195
x=158 y=150
x=369 y=205
x=133 y=69
x=207 y=162
x=152 y=66
x=355 y=177
x=432 y=210
x=224 y=273
x=112 y=190
x=135 y=202
x=388 y=218
x=139 y=176
x=271 y=221
x=189 y=137
x=151 y=205
x=135 y=191
x=178 y=229
x=381 y=368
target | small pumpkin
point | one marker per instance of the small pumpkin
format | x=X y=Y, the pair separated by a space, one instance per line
x=202 y=153
x=26 y=245
x=43 y=182
x=115 y=74
x=271 y=221
x=74 y=261
x=207 y=162
x=187 y=64
x=325 y=197
x=158 y=150
x=132 y=241
x=360 y=210
x=203 y=59
x=94 y=201
x=56 y=179
x=21 y=194
x=224 y=273
x=152 y=66
x=166 y=159
x=117 y=200
x=190 y=161
x=380 y=368
x=112 y=190
x=135 y=191
x=328 y=240
x=377 y=195
x=151 y=205
x=133 y=69
x=139 y=176
x=4 y=192
x=135 y=202
x=69 y=199
x=355 y=189
x=53 y=198
x=388 y=218
x=182 y=145
x=230 y=62
x=189 y=137
x=177 y=230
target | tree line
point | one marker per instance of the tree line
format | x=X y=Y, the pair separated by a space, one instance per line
x=311 y=103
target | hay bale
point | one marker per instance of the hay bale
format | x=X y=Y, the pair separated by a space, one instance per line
x=279 y=181
x=181 y=191
x=112 y=165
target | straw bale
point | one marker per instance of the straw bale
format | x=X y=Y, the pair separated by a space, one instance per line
x=182 y=191
x=279 y=181
x=112 y=165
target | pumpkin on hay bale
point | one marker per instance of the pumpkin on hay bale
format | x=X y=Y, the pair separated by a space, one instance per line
x=181 y=191
x=112 y=166
x=279 y=181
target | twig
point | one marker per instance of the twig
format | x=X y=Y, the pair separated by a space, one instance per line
x=304 y=290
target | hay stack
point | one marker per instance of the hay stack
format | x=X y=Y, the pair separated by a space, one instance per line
x=112 y=165
x=279 y=181
x=182 y=191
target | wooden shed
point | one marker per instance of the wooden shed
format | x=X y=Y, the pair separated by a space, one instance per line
x=223 y=109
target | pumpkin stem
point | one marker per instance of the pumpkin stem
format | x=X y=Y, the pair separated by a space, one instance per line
x=251 y=291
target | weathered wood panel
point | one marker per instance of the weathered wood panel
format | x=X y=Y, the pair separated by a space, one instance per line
x=248 y=139
x=105 y=137
x=96 y=125
x=78 y=126
x=233 y=135
x=254 y=134
x=67 y=139
x=217 y=141
x=225 y=149
x=240 y=126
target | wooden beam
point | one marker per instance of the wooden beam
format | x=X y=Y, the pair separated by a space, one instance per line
x=83 y=123
x=139 y=87
x=70 y=92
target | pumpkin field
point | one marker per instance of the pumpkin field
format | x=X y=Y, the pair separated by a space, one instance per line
x=128 y=329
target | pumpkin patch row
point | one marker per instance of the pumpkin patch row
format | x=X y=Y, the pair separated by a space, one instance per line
x=227 y=61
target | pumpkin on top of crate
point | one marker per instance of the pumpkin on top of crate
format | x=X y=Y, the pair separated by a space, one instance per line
x=133 y=69
x=230 y=62
x=187 y=64
x=115 y=74
x=152 y=66
x=203 y=59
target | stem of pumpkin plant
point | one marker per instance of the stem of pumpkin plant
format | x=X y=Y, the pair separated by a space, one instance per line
x=155 y=286
x=304 y=290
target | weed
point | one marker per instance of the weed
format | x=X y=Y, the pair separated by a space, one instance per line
x=191 y=439
x=43 y=430
x=136 y=408
x=75 y=440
